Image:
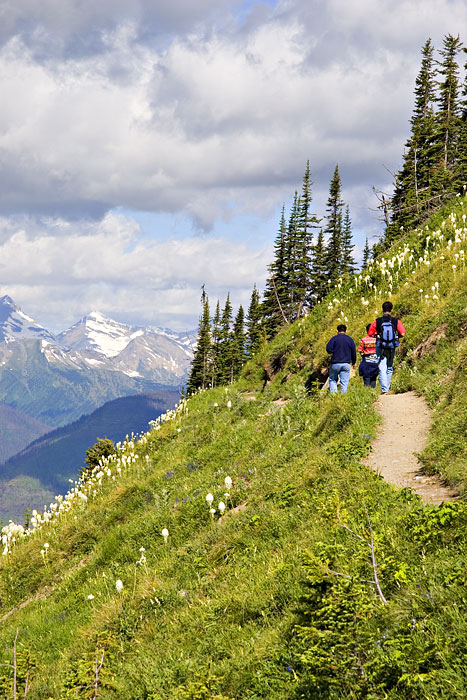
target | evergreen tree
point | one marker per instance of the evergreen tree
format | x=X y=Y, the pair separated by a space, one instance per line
x=348 y=263
x=199 y=376
x=275 y=300
x=225 y=345
x=333 y=229
x=366 y=255
x=238 y=347
x=215 y=344
x=448 y=120
x=461 y=172
x=412 y=188
x=255 y=332
x=319 y=275
x=307 y=223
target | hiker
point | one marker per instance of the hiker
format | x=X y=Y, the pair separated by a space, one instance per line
x=368 y=367
x=343 y=354
x=387 y=330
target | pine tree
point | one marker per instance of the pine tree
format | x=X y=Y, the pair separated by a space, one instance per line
x=306 y=225
x=275 y=300
x=199 y=376
x=215 y=343
x=225 y=345
x=319 y=275
x=412 y=188
x=461 y=171
x=333 y=228
x=238 y=349
x=255 y=332
x=366 y=255
x=348 y=262
x=448 y=120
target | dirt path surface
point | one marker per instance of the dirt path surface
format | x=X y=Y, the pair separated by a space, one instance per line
x=406 y=421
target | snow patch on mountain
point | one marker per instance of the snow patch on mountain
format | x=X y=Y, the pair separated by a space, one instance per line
x=16 y=325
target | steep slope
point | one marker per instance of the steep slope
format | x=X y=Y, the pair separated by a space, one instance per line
x=317 y=580
x=55 y=458
x=16 y=325
x=17 y=430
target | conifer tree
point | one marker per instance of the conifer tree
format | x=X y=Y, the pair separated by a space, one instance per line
x=255 y=331
x=306 y=225
x=319 y=275
x=333 y=229
x=348 y=262
x=366 y=255
x=225 y=345
x=412 y=187
x=275 y=300
x=461 y=173
x=199 y=376
x=215 y=344
x=238 y=349
x=448 y=121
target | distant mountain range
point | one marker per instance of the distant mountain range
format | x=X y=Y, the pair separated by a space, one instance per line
x=42 y=470
x=17 y=430
x=56 y=379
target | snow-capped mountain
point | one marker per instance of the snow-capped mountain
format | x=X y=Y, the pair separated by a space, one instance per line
x=152 y=353
x=15 y=325
x=56 y=379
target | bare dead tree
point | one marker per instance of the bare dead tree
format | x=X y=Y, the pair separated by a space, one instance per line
x=371 y=545
x=97 y=671
x=277 y=299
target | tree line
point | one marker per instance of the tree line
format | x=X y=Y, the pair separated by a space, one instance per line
x=434 y=166
x=308 y=259
x=311 y=254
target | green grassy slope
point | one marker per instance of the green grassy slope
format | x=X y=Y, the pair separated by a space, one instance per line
x=277 y=598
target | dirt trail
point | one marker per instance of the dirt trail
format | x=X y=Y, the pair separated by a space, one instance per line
x=406 y=421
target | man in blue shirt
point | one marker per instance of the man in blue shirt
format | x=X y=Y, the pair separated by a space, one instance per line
x=343 y=354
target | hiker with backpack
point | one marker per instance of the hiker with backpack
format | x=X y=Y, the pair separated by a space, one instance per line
x=387 y=330
x=368 y=367
x=343 y=353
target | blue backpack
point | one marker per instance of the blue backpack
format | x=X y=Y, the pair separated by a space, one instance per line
x=387 y=332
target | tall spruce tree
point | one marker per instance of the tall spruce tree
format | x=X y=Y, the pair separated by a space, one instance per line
x=448 y=120
x=255 y=330
x=238 y=351
x=224 y=361
x=461 y=173
x=366 y=255
x=215 y=344
x=333 y=229
x=200 y=369
x=319 y=275
x=275 y=301
x=412 y=191
x=348 y=262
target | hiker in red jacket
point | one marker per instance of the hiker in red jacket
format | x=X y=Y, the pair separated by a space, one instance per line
x=387 y=330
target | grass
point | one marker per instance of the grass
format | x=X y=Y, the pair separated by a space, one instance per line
x=277 y=598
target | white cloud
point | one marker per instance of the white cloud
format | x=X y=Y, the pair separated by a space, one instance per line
x=181 y=108
x=61 y=271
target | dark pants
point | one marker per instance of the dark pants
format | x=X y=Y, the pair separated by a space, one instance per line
x=368 y=381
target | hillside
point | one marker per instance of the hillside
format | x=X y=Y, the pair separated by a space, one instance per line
x=55 y=458
x=17 y=430
x=320 y=580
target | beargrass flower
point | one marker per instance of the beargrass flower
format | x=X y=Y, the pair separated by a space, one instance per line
x=209 y=499
x=90 y=596
x=165 y=534
x=119 y=585
x=228 y=483
x=221 y=507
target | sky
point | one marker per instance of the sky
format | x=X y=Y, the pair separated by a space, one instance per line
x=147 y=148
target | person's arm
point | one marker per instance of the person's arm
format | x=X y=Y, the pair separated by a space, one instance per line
x=354 y=352
x=361 y=347
x=400 y=328
x=372 y=329
x=330 y=346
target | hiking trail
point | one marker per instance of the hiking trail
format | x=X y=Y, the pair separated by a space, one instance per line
x=403 y=433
